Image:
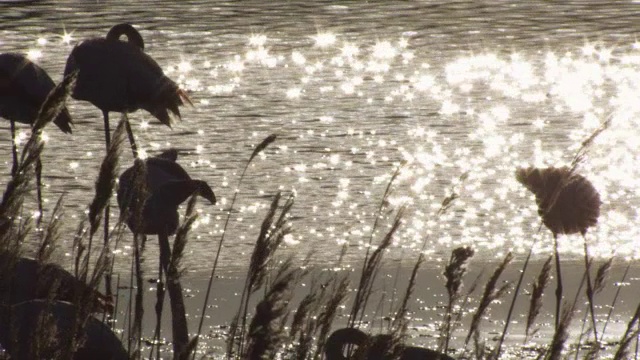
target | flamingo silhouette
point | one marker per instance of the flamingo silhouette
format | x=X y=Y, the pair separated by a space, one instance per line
x=24 y=86
x=28 y=279
x=22 y=322
x=119 y=76
x=374 y=347
x=165 y=185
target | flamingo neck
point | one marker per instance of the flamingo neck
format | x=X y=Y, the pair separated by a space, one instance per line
x=133 y=36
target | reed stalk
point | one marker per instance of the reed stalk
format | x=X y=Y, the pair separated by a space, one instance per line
x=340 y=287
x=630 y=333
x=266 y=330
x=491 y=293
x=561 y=334
x=454 y=273
x=50 y=236
x=535 y=303
x=590 y=291
x=272 y=232
x=261 y=147
x=367 y=276
x=615 y=299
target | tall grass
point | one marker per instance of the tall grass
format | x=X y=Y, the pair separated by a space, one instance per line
x=259 y=148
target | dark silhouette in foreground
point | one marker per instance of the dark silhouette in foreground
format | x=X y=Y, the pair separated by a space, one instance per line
x=376 y=347
x=40 y=330
x=119 y=76
x=24 y=279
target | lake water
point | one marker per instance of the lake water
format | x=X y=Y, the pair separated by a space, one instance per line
x=354 y=90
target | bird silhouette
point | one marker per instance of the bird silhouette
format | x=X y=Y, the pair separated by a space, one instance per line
x=119 y=76
x=25 y=279
x=167 y=185
x=22 y=325
x=374 y=347
x=158 y=185
x=24 y=86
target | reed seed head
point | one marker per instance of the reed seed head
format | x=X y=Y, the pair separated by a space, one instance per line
x=567 y=202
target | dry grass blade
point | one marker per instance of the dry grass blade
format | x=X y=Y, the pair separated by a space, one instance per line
x=259 y=148
x=233 y=337
x=272 y=232
x=615 y=298
x=330 y=308
x=455 y=270
x=398 y=321
x=106 y=179
x=630 y=333
x=370 y=270
x=561 y=334
x=263 y=145
x=55 y=102
x=535 y=304
x=51 y=234
x=271 y=235
x=265 y=332
x=181 y=238
x=454 y=273
x=491 y=293
x=18 y=187
x=305 y=307
x=304 y=323
x=601 y=276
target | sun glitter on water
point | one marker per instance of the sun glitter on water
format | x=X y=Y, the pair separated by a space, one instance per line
x=483 y=113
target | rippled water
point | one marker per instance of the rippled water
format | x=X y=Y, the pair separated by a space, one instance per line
x=354 y=90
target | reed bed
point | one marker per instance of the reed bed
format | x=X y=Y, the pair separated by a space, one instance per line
x=268 y=323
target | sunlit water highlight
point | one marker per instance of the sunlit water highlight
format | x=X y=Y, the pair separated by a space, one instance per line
x=352 y=108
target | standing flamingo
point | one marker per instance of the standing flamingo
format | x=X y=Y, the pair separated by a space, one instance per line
x=165 y=185
x=119 y=76
x=24 y=86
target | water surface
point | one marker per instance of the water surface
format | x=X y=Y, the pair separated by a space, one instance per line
x=355 y=90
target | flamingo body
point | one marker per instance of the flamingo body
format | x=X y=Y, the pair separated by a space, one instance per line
x=119 y=76
x=24 y=86
x=167 y=186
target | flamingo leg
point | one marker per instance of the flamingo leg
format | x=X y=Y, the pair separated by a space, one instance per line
x=39 y=190
x=107 y=130
x=159 y=306
x=178 y=317
x=107 y=139
x=132 y=140
x=14 y=150
x=559 y=276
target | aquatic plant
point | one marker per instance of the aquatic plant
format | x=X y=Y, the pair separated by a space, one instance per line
x=567 y=203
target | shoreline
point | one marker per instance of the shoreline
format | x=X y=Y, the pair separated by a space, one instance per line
x=426 y=304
